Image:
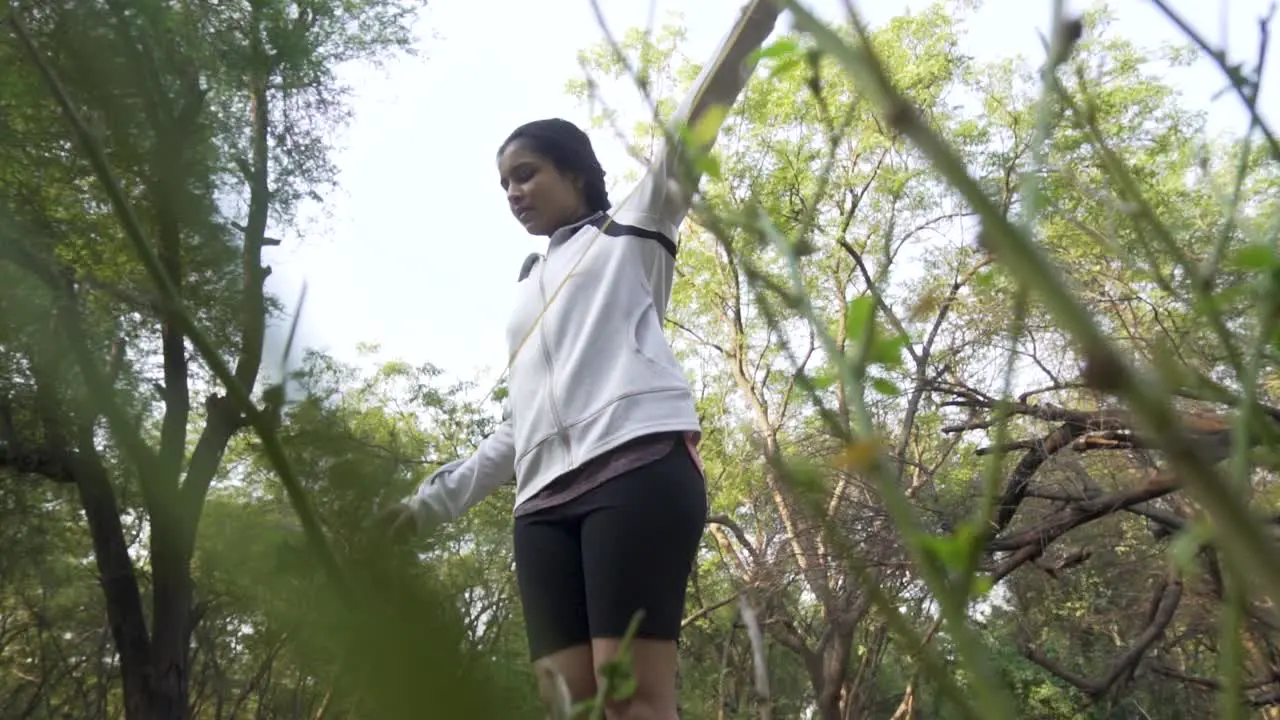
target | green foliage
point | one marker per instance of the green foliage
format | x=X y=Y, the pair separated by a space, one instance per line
x=843 y=277
x=955 y=329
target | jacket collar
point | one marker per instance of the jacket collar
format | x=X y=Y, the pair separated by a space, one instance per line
x=567 y=231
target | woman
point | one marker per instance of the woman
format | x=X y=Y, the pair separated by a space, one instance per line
x=600 y=428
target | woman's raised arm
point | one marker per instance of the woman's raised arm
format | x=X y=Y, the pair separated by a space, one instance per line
x=662 y=199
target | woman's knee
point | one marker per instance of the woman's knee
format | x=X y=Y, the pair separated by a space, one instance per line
x=653 y=665
x=565 y=678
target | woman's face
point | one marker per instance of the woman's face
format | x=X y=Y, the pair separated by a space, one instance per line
x=541 y=197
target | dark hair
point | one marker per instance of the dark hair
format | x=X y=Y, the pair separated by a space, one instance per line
x=569 y=149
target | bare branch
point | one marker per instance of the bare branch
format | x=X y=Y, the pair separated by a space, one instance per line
x=1165 y=604
x=1074 y=516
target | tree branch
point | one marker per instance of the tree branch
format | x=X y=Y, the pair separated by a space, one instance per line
x=738 y=533
x=224 y=420
x=705 y=611
x=1072 y=517
x=1165 y=604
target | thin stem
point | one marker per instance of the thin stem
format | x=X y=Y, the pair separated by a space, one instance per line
x=1231 y=646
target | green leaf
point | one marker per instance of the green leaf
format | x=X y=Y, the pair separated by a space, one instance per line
x=1254 y=256
x=887 y=350
x=953 y=550
x=984 y=279
x=707 y=125
x=781 y=48
x=859 y=313
x=945 y=549
x=708 y=165
x=982 y=584
x=822 y=380
x=1187 y=543
x=622 y=682
x=786 y=54
x=885 y=387
x=784 y=66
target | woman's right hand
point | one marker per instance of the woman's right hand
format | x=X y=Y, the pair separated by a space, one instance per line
x=396 y=523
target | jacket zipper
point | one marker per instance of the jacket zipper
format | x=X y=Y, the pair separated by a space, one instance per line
x=551 y=368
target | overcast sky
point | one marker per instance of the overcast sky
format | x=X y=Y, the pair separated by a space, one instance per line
x=419 y=254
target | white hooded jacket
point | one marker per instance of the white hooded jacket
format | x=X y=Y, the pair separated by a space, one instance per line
x=590 y=367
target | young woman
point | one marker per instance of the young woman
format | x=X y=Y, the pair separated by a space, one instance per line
x=600 y=428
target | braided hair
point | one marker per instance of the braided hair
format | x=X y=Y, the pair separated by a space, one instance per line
x=569 y=150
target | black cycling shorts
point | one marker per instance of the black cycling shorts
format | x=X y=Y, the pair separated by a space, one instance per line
x=586 y=566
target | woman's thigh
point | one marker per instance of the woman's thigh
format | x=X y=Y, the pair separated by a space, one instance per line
x=548 y=553
x=639 y=543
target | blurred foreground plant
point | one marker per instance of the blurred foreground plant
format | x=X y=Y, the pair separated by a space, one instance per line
x=1152 y=403
x=143 y=130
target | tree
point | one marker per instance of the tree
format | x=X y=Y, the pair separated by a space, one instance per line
x=202 y=127
x=872 y=288
x=932 y=482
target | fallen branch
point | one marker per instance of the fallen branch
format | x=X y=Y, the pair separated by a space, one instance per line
x=1071 y=560
x=1170 y=521
x=1015 y=488
x=1074 y=516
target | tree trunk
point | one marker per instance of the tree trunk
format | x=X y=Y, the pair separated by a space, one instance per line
x=171 y=635
x=827 y=674
x=119 y=583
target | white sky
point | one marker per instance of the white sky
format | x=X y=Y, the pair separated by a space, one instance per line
x=419 y=253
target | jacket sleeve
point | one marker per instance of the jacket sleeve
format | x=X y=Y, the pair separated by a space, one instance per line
x=662 y=199
x=457 y=486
